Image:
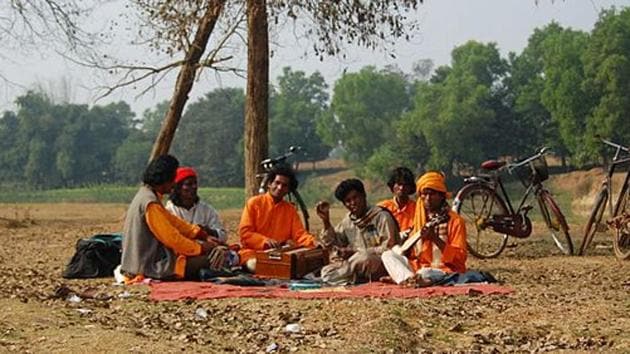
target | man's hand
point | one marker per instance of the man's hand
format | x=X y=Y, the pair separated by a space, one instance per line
x=207 y=246
x=215 y=240
x=271 y=243
x=210 y=231
x=202 y=234
x=345 y=252
x=432 y=236
x=429 y=234
x=323 y=211
x=216 y=257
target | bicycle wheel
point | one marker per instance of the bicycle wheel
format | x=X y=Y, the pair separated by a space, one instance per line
x=556 y=223
x=477 y=203
x=594 y=220
x=621 y=229
x=302 y=207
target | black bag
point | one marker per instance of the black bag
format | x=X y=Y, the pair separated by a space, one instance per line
x=95 y=257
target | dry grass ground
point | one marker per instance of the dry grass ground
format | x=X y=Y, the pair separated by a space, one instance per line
x=560 y=303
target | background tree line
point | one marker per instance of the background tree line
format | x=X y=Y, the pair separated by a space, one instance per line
x=564 y=89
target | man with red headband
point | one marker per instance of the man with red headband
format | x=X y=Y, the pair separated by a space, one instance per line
x=184 y=202
x=442 y=247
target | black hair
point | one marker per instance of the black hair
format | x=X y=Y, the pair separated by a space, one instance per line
x=348 y=185
x=160 y=170
x=284 y=170
x=404 y=176
x=175 y=196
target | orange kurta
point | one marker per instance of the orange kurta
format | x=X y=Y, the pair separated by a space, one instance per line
x=455 y=252
x=263 y=219
x=404 y=216
x=174 y=233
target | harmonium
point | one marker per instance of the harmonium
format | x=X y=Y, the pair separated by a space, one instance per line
x=289 y=263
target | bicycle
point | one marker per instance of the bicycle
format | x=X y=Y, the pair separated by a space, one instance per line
x=484 y=203
x=619 y=210
x=293 y=196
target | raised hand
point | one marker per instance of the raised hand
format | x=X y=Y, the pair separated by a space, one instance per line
x=323 y=211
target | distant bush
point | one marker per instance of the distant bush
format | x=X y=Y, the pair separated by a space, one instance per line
x=220 y=198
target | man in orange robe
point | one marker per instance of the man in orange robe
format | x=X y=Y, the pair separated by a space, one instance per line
x=401 y=206
x=268 y=221
x=442 y=248
x=156 y=243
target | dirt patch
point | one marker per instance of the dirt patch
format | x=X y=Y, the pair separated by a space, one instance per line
x=560 y=304
x=583 y=187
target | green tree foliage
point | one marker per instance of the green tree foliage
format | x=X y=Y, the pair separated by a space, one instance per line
x=607 y=71
x=11 y=157
x=365 y=107
x=298 y=103
x=52 y=145
x=526 y=83
x=88 y=140
x=37 y=132
x=132 y=154
x=563 y=94
x=460 y=110
x=209 y=137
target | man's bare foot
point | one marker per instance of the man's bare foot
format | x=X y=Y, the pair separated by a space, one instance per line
x=416 y=282
x=386 y=279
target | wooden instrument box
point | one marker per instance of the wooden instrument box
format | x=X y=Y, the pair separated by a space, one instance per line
x=289 y=263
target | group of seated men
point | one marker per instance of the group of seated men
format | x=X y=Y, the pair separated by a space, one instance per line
x=176 y=241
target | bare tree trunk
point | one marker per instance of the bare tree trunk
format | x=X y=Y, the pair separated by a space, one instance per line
x=185 y=78
x=256 y=104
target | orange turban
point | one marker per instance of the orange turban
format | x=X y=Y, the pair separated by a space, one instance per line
x=432 y=180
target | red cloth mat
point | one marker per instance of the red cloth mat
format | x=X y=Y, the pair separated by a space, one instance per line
x=200 y=290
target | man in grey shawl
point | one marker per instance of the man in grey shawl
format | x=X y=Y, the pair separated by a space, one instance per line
x=357 y=242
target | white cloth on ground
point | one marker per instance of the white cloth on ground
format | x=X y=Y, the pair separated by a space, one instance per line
x=398 y=268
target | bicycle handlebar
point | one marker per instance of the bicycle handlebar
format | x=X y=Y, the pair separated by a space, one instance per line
x=542 y=151
x=270 y=162
x=615 y=145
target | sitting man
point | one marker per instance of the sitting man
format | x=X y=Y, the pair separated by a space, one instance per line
x=401 y=184
x=441 y=247
x=185 y=203
x=358 y=241
x=156 y=243
x=268 y=221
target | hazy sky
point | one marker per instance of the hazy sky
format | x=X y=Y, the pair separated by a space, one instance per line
x=444 y=24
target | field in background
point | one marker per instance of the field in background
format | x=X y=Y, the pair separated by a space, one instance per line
x=575 y=191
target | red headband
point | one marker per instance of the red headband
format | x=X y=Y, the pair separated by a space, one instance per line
x=183 y=173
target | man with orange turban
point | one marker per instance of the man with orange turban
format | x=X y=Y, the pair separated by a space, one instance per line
x=441 y=248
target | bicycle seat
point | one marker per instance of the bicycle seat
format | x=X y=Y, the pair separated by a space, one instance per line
x=492 y=164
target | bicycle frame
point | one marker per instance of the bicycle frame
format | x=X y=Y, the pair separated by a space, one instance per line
x=613 y=205
x=508 y=220
x=495 y=182
x=606 y=200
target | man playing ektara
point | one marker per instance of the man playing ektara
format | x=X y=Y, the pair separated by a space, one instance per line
x=268 y=221
x=442 y=248
x=358 y=241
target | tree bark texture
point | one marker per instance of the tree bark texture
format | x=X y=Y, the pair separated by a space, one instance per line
x=186 y=77
x=256 y=138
